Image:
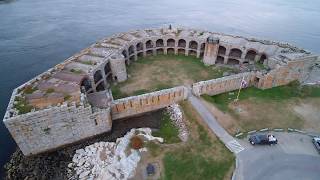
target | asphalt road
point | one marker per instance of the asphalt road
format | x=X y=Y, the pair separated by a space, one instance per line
x=293 y=158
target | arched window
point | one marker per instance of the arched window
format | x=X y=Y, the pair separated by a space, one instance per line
x=149 y=44
x=171 y=43
x=97 y=76
x=86 y=84
x=125 y=54
x=251 y=55
x=193 y=45
x=235 y=53
x=262 y=58
x=139 y=46
x=131 y=50
x=182 y=43
x=159 y=43
x=222 y=50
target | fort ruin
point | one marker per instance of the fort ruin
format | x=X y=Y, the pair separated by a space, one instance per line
x=73 y=101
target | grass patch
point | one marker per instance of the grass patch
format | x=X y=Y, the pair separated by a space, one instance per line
x=167 y=130
x=22 y=106
x=154 y=148
x=159 y=72
x=270 y=108
x=203 y=157
x=50 y=90
x=76 y=71
x=292 y=90
x=29 y=89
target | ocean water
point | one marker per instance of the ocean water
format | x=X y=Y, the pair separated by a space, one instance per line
x=37 y=34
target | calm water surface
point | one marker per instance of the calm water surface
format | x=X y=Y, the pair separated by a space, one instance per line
x=37 y=34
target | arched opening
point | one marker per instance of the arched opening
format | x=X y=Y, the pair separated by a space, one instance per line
x=149 y=52
x=222 y=50
x=193 y=45
x=160 y=51
x=149 y=44
x=159 y=43
x=220 y=60
x=107 y=68
x=192 y=53
x=86 y=84
x=100 y=87
x=131 y=50
x=131 y=58
x=97 y=76
x=171 y=43
x=251 y=55
x=181 y=51
x=201 y=54
x=127 y=62
x=125 y=54
x=170 y=51
x=203 y=45
x=182 y=43
x=262 y=59
x=139 y=46
x=235 y=53
x=140 y=54
x=233 y=61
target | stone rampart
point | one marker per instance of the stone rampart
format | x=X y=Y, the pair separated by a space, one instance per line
x=221 y=85
x=134 y=105
x=48 y=129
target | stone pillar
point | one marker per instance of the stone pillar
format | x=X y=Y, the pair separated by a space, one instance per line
x=199 y=50
x=257 y=58
x=211 y=51
x=226 y=57
x=118 y=68
x=144 y=49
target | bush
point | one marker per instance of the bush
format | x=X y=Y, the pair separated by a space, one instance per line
x=136 y=142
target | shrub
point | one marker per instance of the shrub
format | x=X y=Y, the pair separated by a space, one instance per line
x=50 y=90
x=136 y=142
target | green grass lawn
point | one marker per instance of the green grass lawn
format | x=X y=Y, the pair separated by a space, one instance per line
x=292 y=90
x=203 y=157
x=167 y=130
x=270 y=108
x=153 y=73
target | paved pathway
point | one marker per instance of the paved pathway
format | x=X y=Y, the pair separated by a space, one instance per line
x=232 y=144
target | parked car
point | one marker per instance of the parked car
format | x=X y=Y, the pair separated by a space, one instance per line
x=316 y=142
x=262 y=139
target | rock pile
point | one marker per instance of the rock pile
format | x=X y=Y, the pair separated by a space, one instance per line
x=109 y=160
x=177 y=118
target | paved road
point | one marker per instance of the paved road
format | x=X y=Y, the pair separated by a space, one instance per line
x=293 y=158
x=232 y=144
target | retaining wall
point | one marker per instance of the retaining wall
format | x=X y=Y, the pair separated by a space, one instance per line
x=222 y=85
x=134 y=105
x=49 y=129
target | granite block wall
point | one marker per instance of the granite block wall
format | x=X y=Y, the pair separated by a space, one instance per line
x=134 y=105
x=221 y=85
x=48 y=129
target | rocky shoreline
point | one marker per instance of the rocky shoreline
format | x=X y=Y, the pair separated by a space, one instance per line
x=54 y=165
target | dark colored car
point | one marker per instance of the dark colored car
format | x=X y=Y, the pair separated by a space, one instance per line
x=262 y=139
x=316 y=142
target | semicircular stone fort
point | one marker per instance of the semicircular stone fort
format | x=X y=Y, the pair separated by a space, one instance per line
x=73 y=101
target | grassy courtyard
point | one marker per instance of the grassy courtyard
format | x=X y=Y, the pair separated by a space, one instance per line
x=291 y=106
x=164 y=71
x=203 y=156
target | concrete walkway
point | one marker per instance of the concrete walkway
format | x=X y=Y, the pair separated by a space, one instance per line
x=232 y=144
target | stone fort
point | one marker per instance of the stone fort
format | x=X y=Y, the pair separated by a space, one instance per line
x=73 y=101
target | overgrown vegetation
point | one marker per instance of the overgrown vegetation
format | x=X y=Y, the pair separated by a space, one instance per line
x=76 y=71
x=22 y=106
x=204 y=157
x=29 y=89
x=167 y=130
x=154 y=148
x=49 y=90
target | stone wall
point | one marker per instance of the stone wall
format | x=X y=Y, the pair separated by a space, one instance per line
x=51 y=128
x=134 y=105
x=294 y=70
x=221 y=85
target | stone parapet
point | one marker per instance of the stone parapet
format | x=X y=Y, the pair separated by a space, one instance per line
x=135 y=105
